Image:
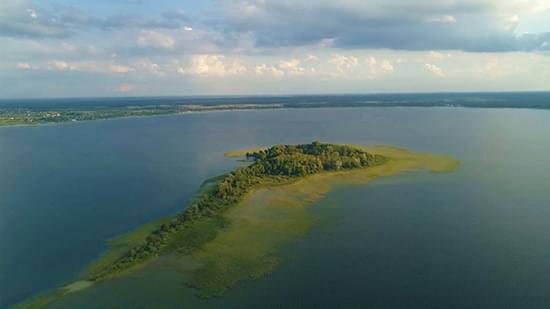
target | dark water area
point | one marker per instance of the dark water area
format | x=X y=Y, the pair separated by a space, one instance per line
x=475 y=238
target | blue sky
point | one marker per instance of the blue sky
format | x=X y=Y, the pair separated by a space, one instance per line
x=70 y=48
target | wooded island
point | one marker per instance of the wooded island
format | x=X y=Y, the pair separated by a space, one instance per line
x=199 y=223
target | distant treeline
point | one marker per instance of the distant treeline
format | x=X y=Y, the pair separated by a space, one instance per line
x=37 y=111
x=278 y=164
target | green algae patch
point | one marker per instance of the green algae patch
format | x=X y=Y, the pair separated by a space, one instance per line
x=259 y=226
x=78 y=286
x=435 y=163
x=272 y=217
x=43 y=300
x=118 y=246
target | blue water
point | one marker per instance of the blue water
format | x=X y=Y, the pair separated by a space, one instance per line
x=474 y=238
x=539 y=100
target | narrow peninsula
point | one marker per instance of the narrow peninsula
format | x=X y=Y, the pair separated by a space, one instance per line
x=238 y=222
x=274 y=166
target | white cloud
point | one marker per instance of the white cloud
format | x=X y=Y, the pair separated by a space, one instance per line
x=435 y=56
x=68 y=48
x=213 y=65
x=371 y=62
x=124 y=88
x=494 y=68
x=437 y=71
x=207 y=65
x=344 y=63
x=147 y=66
x=187 y=28
x=154 y=39
x=59 y=65
x=112 y=68
x=387 y=66
x=264 y=69
x=445 y=19
x=311 y=58
x=87 y=66
x=23 y=66
x=291 y=67
x=237 y=68
x=372 y=66
x=32 y=13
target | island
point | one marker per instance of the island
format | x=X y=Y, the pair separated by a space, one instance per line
x=237 y=222
x=274 y=166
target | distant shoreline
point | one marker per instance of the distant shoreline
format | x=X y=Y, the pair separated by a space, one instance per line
x=38 y=116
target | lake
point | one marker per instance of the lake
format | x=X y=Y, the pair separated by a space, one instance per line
x=475 y=238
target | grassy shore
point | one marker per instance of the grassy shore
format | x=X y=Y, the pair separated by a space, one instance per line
x=271 y=217
x=242 y=152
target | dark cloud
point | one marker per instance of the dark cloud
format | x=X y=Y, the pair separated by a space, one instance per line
x=176 y=15
x=469 y=25
x=476 y=26
x=20 y=19
x=23 y=19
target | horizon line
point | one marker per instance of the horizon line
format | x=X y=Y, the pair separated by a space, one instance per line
x=219 y=96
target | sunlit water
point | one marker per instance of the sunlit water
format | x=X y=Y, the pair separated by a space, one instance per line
x=478 y=237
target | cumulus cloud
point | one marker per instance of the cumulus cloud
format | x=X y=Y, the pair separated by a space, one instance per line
x=292 y=67
x=435 y=56
x=60 y=65
x=311 y=58
x=154 y=39
x=344 y=63
x=371 y=62
x=124 y=88
x=351 y=67
x=23 y=66
x=434 y=69
x=147 y=66
x=263 y=40
x=207 y=65
x=86 y=66
x=213 y=65
x=442 y=19
x=264 y=69
x=387 y=66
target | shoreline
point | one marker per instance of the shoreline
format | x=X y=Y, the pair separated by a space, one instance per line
x=272 y=108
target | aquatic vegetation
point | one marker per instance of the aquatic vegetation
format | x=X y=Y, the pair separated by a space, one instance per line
x=271 y=217
x=276 y=165
x=238 y=222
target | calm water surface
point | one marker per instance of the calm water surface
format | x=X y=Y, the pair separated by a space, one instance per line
x=478 y=237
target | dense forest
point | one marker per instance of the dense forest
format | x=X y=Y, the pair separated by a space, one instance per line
x=278 y=164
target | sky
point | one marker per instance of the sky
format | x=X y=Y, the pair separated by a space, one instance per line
x=77 y=48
